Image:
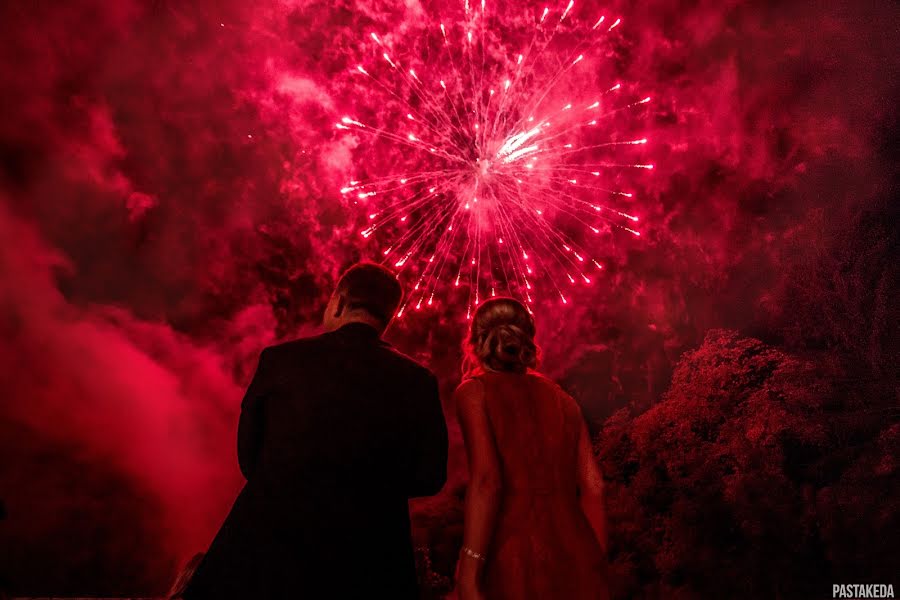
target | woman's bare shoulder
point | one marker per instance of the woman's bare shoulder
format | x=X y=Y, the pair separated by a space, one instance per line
x=539 y=379
x=471 y=388
x=553 y=389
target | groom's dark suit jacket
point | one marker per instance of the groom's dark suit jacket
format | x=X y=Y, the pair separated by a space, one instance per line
x=336 y=433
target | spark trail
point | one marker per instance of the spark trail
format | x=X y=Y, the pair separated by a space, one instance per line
x=495 y=169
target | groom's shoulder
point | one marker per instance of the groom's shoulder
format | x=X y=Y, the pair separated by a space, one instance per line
x=405 y=363
x=293 y=347
x=316 y=345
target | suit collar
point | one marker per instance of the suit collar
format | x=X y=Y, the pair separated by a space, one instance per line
x=360 y=331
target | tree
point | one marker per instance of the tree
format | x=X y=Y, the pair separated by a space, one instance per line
x=750 y=479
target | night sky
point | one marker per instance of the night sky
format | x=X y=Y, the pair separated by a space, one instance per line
x=170 y=205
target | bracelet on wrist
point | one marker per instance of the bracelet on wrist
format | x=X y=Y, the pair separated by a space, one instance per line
x=472 y=554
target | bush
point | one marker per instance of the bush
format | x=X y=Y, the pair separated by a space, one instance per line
x=750 y=479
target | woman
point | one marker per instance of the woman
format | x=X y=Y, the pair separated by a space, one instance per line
x=534 y=517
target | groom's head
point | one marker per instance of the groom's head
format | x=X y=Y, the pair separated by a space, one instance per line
x=366 y=293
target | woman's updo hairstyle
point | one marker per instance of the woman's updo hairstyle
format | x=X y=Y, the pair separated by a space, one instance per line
x=501 y=338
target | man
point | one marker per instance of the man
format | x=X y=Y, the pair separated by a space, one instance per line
x=336 y=433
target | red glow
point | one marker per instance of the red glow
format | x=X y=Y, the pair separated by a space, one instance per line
x=171 y=202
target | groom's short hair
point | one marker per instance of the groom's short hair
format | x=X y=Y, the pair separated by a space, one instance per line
x=372 y=288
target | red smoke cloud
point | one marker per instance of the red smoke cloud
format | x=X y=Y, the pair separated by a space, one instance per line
x=170 y=205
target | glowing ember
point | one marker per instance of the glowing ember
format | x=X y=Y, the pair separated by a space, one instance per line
x=504 y=174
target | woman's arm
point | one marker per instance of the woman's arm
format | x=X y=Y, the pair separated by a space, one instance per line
x=483 y=494
x=590 y=486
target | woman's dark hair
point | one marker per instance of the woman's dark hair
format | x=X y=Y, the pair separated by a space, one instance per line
x=501 y=338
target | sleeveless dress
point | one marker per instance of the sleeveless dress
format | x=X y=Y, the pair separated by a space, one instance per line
x=543 y=546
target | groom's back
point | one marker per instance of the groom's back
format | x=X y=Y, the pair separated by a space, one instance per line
x=341 y=431
x=336 y=432
x=340 y=414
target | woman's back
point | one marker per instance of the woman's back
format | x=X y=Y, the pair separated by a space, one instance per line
x=543 y=545
x=535 y=426
x=534 y=518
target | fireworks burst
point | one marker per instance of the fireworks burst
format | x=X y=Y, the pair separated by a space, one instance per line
x=503 y=173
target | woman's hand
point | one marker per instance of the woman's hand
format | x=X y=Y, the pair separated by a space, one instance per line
x=468 y=575
x=468 y=590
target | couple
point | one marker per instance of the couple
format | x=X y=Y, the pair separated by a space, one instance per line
x=338 y=431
